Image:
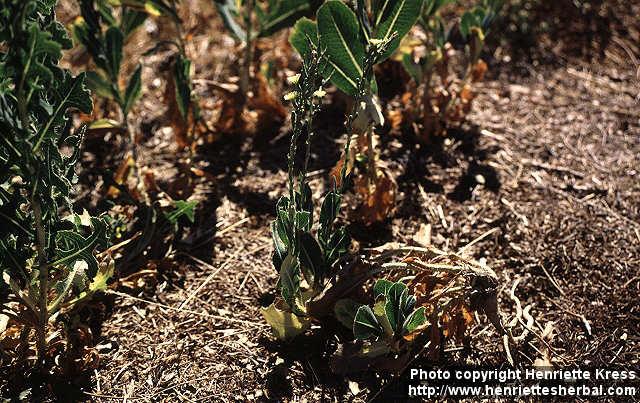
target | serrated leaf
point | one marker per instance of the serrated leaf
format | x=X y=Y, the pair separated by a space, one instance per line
x=339 y=36
x=365 y=324
x=134 y=89
x=71 y=93
x=72 y=247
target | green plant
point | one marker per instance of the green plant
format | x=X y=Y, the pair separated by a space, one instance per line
x=345 y=35
x=247 y=20
x=445 y=99
x=308 y=265
x=104 y=32
x=47 y=251
x=391 y=321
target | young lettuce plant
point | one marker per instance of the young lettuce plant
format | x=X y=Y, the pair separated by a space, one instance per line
x=346 y=34
x=104 y=36
x=431 y=66
x=47 y=259
x=310 y=281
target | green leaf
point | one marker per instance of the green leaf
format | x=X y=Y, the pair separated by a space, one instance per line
x=328 y=212
x=100 y=85
x=412 y=68
x=285 y=325
x=339 y=36
x=393 y=305
x=181 y=74
x=395 y=17
x=182 y=208
x=63 y=286
x=228 y=12
x=282 y=14
x=311 y=259
x=290 y=283
x=365 y=324
x=303 y=32
x=72 y=247
x=416 y=319
x=336 y=247
x=131 y=20
x=381 y=287
x=279 y=245
x=345 y=311
x=71 y=93
x=134 y=89
x=303 y=220
x=113 y=47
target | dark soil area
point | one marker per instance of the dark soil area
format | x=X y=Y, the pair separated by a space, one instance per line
x=548 y=160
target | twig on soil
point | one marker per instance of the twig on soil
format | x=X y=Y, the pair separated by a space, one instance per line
x=209 y=277
x=552 y=280
x=206 y=315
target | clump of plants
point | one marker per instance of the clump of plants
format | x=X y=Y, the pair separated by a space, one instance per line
x=444 y=73
x=308 y=261
x=319 y=277
x=48 y=253
x=346 y=35
x=249 y=20
x=103 y=29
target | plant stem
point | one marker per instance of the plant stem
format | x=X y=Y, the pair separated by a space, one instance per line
x=43 y=280
x=133 y=150
x=371 y=157
x=248 y=51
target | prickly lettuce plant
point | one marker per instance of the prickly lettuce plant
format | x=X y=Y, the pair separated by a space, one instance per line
x=432 y=63
x=308 y=261
x=247 y=20
x=346 y=34
x=47 y=253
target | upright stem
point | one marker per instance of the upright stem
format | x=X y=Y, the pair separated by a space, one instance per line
x=43 y=270
x=43 y=280
x=133 y=149
x=371 y=155
x=248 y=51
